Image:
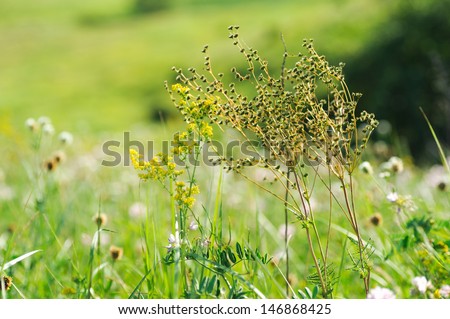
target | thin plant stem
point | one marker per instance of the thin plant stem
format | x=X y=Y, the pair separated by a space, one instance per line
x=286 y=239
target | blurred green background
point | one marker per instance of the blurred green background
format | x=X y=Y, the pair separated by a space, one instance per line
x=95 y=66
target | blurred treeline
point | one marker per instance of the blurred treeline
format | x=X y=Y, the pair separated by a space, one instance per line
x=406 y=66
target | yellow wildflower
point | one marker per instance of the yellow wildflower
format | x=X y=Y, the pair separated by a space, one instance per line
x=191 y=127
x=206 y=130
x=189 y=201
x=180 y=184
x=136 y=159
x=180 y=88
x=195 y=190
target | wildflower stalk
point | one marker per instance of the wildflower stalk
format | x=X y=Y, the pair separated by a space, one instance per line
x=296 y=128
x=286 y=223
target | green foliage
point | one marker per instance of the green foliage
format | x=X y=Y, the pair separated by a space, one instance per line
x=308 y=294
x=426 y=241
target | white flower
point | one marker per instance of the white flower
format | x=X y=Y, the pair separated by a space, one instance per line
x=193 y=225
x=172 y=242
x=380 y=293
x=421 y=283
x=44 y=120
x=392 y=197
x=171 y=239
x=31 y=124
x=394 y=165
x=48 y=129
x=65 y=138
x=137 y=210
x=366 y=168
x=437 y=177
x=445 y=291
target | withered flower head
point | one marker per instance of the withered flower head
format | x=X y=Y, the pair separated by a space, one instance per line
x=100 y=219
x=6 y=282
x=376 y=219
x=116 y=252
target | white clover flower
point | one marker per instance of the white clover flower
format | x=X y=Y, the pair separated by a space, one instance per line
x=66 y=138
x=394 y=165
x=421 y=284
x=437 y=177
x=48 y=129
x=31 y=124
x=44 y=120
x=137 y=210
x=445 y=291
x=392 y=197
x=193 y=225
x=380 y=293
x=366 y=168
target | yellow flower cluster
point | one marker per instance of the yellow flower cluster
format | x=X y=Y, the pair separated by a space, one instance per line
x=184 y=193
x=180 y=88
x=183 y=143
x=206 y=130
x=159 y=167
x=195 y=110
x=202 y=128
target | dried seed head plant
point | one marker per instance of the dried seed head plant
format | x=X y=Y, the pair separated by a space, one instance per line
x=306 y=119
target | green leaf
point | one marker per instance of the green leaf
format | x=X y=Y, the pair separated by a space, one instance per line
x=19 y=259
x=211 y=283
x=302 y=294
x=315 y=291
x=309 y=293
x=239 y=251
x=231 y=255
x=224 y=259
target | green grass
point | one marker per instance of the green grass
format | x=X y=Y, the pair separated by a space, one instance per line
x=62 y=227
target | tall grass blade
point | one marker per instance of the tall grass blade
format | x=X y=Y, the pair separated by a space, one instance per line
x=19 y=259
x=438 y=144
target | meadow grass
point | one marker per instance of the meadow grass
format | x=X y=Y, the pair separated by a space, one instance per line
x=78 y=229
x=62 y=226
x=92 y=60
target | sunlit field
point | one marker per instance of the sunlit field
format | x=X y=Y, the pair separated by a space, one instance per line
x=125 y=173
